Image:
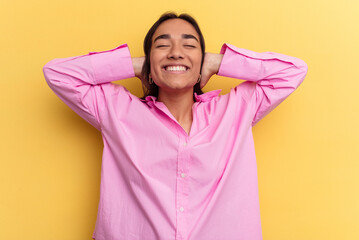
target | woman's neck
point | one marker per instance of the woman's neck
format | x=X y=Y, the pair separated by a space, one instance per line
x=179 y=104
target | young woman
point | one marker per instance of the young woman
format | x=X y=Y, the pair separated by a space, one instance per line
x=178 y=163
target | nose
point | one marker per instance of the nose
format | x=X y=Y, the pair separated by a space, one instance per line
x=175 y=52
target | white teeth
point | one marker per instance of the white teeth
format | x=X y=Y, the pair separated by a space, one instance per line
x=175 y=68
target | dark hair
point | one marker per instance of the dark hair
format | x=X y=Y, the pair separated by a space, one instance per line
x=152 y=89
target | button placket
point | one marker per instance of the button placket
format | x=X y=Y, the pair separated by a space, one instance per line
x=182 y=191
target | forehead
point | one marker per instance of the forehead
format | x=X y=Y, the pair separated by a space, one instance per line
x=175 y=28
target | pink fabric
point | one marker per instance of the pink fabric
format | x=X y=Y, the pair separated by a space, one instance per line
x=156 y=181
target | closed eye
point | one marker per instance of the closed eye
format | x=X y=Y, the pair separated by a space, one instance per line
x=191 y=46
x=160 y=46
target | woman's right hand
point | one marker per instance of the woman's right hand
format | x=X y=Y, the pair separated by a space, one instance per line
x=137 y=63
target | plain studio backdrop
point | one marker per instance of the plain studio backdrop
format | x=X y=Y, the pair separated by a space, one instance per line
x=307 y=148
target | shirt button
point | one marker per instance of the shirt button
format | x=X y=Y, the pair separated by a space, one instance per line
x=183 y=175
x=185 y=144
x=181 y=209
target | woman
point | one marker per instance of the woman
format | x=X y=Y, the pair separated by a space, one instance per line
x=178 y=163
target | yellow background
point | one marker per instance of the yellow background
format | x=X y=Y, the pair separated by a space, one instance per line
x=307 y=148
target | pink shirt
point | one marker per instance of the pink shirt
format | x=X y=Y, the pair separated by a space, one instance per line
x=157 y=182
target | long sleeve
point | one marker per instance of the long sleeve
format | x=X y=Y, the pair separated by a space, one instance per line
x=80 y=81
x=271 y=77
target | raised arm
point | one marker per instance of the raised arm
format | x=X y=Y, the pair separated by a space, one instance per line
x=271 y=77
x=81 y=81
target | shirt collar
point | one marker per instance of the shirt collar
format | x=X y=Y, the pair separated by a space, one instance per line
x=150 y=99
x=205 y=97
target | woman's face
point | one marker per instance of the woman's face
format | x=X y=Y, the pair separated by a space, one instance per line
x=175 y=56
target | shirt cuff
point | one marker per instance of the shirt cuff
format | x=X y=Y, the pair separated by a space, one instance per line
x=236 y=62
x=112 y=65
x=244 y=64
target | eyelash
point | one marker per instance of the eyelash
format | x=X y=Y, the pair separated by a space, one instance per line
x=191 y=46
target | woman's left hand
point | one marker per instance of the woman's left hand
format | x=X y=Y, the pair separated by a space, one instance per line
x=211 y=64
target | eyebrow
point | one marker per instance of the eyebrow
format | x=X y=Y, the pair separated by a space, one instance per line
x=167 y=36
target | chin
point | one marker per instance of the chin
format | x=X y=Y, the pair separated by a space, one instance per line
x=177 y=88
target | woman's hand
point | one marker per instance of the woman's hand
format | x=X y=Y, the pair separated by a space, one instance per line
x=137 y=63
x=211 y=64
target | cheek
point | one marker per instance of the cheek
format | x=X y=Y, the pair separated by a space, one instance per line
x=199 y=61
x=154 y=62
x=198 y=56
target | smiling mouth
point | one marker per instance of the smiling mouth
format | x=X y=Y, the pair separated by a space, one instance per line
x=177 y=68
